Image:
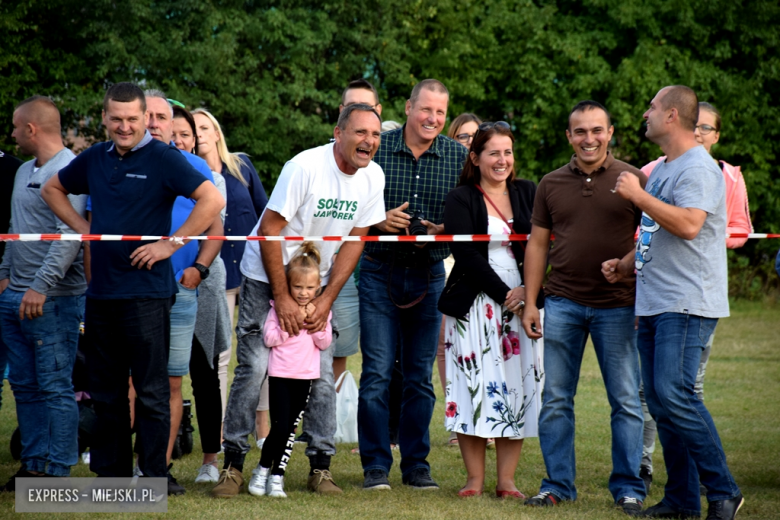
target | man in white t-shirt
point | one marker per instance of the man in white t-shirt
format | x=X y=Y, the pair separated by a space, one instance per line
x=334 y=189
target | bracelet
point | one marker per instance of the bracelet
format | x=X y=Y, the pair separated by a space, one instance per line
x=179 y=241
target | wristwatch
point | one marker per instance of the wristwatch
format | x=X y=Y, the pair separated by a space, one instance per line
x=203 y=270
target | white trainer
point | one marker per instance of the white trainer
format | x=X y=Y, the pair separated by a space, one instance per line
x=259 y=481
x=207 y=473
x=276 y=487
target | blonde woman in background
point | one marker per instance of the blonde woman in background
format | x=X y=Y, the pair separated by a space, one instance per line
x=246 y=200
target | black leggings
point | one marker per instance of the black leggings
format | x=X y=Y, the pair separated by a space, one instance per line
x=288 y=398
x=208 y=400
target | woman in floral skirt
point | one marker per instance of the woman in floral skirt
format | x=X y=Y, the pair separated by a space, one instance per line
x=494 y=372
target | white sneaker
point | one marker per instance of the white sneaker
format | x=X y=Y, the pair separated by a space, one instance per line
x=207 y=473
x=85 y=457
x=137 y=472
x=260 y=443
x=276 y=487
x=257 y=486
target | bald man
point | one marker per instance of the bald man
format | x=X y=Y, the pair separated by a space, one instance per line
x=40 y=287
x=681 y=292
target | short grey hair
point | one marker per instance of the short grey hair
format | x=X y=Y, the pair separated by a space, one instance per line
x=347 y=112
x=153 y=92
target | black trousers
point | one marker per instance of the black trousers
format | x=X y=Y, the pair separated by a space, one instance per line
x=208 y=400
x=125 y=335
x=287 y=401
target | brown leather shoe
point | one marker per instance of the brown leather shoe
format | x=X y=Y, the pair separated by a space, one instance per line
x=229 y=485
x=322 y=482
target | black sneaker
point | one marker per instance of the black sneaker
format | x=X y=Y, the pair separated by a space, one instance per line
x=544 y=498
x=647 y=476
x=174 y=488
x=661 y=510
x=375 y=479
x=420 y=478
x=725 y=509
x=630 y=505
x=10 y=486
x=303 y=438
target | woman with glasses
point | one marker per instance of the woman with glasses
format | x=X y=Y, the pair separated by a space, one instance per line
x=463 y=128
x=246 y=200
x=493 y=370
x=707 y=133
x=212 y=327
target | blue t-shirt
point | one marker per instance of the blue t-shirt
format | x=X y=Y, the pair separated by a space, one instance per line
x=131 y=194
x=185 y=256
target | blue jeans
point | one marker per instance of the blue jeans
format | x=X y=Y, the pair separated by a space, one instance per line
x=41 y=354
x=670 y=346
x=566 y=328
x=183 y=315
x=416 y=332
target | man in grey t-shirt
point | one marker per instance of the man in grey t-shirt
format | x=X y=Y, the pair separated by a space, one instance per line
x=41 y=283
x=681 y=292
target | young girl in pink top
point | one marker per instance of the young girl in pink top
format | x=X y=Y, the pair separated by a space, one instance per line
x=293 y=364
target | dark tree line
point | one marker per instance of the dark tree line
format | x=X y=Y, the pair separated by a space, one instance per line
x=272 y=72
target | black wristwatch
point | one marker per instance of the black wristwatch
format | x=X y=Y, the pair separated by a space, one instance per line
x=203 y=270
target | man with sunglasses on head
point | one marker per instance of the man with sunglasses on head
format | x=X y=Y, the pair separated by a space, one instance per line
x=400 y=285
x=576 y=204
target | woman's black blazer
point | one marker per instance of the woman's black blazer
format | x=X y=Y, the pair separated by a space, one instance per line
x=465 y=213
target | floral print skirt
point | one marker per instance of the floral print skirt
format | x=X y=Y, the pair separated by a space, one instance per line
x=494 y=373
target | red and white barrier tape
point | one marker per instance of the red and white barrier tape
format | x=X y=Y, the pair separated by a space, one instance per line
x=29 y=237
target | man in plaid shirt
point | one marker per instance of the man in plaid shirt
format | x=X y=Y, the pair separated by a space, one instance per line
x=400 y=285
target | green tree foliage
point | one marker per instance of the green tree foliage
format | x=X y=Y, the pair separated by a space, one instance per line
x=272 y=71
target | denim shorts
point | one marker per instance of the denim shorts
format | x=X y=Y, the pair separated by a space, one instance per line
x=346 y=312
x=183 y=315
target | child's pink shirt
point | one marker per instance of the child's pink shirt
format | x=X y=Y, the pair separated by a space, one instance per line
x=294 y=357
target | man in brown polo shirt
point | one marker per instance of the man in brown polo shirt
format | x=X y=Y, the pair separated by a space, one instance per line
x=590 y=222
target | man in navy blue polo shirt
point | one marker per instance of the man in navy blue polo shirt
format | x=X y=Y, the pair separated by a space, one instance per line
x=133 y=181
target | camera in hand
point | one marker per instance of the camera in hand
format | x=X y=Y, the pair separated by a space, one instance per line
x=416 y=227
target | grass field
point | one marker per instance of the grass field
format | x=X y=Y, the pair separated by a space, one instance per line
x=742 y=390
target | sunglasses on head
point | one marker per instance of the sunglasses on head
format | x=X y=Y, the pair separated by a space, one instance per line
x=487 y=125
x=177 y=103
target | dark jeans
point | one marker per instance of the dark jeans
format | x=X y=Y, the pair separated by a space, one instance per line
x=288 y=398
x=208 y=399
x=127 y=335
x=416 y=330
